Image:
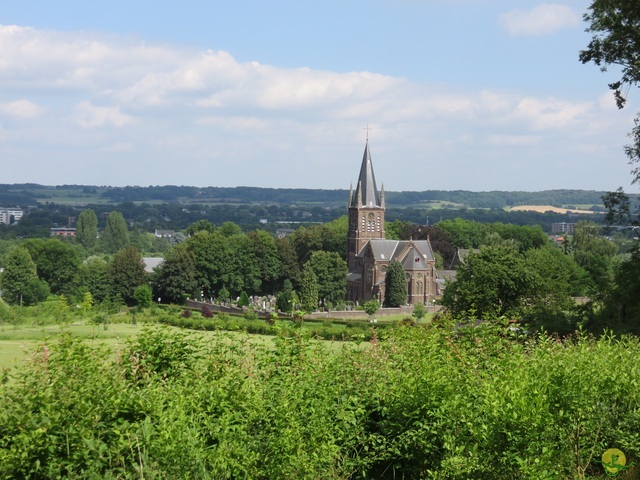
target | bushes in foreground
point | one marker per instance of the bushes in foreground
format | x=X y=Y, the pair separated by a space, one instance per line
x=419 y=403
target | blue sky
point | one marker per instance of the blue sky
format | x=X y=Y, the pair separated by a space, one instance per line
x=458 y=94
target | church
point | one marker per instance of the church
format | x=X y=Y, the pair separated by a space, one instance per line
x=369 y=252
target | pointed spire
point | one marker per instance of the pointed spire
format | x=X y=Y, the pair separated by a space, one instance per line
x=350 y=194
x=367 y=191
x=382 y=196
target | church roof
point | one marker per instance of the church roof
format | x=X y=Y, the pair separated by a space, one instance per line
x=414 y=259
x=400 y=250
x=366 y=193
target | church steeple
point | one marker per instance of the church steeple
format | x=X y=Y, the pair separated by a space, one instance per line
x=366 y=210
x=367 y=190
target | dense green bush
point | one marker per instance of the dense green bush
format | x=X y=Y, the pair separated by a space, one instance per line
x=419 y=402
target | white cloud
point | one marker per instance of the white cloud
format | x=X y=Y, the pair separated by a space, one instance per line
x=88 y=115
x=550 y=113
x=22 y=109
x=212 y=120
x=542 y=19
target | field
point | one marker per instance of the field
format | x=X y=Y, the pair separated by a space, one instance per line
x=547 y=208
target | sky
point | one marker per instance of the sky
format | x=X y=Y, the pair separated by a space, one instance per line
x=453 y=95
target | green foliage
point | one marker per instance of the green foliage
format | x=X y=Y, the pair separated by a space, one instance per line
x=175 y=278
x=419 y=311
x=594 y=254
x=243 y=301
x=395 y=293
x=371 y=307
x=172 y=406
x=56 y=262
x=19 y=280
x=224 y=294
x=331 y=275
x=92 y=277
x=87 y=302
x=126 y=273
x=284 y=299
x=143 y=296
x=116 y=234
x=491 y=283
x=309 y=290
x=87 y=228
x=199 y=226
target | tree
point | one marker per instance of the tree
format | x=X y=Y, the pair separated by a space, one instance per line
x=493 y=282
x=92 y=277
x=229 y=229
x=419 y=311
x=87 y=228
x=331 y=275
x=289 y=265
x=143 y=296
x=284 y=299
x=126 y=273
x=87 y=302
x=595 y=254
x=211 y=253
x=116 y=235
x=615 y=26
x=308 y=289
x=175 y=278
x=266 y=254
x=243 y=301
x=19 y=281
x=224 y=294
x=371 y=307
x=56 y=262
x=395 y=292
x=200 y=226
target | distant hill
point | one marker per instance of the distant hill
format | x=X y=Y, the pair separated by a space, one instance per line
x=33 y=194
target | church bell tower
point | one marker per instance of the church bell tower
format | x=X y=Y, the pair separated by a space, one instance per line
x=366 y=210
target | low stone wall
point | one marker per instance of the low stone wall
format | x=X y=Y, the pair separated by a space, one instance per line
x=341 y=314
x=231 y=310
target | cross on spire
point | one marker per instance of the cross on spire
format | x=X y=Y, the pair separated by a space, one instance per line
x=367 y=128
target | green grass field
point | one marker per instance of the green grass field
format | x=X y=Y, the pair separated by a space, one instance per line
x=17 y=345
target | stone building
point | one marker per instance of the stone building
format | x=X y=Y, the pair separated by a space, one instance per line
x=369 y=252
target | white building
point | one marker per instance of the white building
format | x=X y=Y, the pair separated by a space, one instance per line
x=10 y=215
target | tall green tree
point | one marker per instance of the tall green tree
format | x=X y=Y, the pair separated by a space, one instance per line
x=615 y=29
x=175 y=278
x=87 y=228
x=266 y=254
x=309 y=289
x=595 y=254
x=126 y=273
x=289 y=265
x=331 y=275
x=493 y=282
x=116 y=234
x=212 y=254
x=200 y=226
x=395 y=292
x=19 y=281
x=92 y=277
x=56 y=262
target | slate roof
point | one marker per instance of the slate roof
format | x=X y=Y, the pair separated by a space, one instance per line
x=366 y=190
x=386 y=250
x=150 y=263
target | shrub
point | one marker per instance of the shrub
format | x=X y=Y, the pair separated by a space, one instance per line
x=206 y=312
x=186 y=313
